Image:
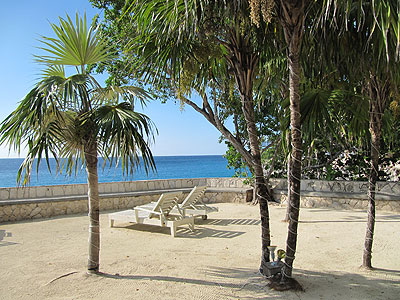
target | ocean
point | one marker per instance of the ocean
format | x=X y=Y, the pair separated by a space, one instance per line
x=167 y=167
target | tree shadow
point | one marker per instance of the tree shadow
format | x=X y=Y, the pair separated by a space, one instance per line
x=348 y=221
x=227 y=287
x=204 y=232
x=388 y=217
x=380 y=214
x=248 y=284
x=198 y=233
x=380 y=218
x=118 y=276
x=372 y=285
x=385 y=271
x=226 y=222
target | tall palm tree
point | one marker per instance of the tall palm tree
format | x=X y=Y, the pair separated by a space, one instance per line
x=291 y=15
x=74 y=119
x=218 y=45
x=374 y=26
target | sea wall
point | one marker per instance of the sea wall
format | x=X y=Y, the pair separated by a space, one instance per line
x=341 y=194
x=48 y=201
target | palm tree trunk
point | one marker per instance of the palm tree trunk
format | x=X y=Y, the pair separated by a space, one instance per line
x=287 y=218
x=292 y=18
x=378 y=92
x=287 y=215
x=260 y=186
x=373 y=175
x=94 y=207
x=295 y=166
x=244 y=63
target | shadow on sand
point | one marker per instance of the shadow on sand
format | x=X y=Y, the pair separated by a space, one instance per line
x=380 y=218
x=249 y=284
x=226 y=222
x=201 y=231
x=198 y=233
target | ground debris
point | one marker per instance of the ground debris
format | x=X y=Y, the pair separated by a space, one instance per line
x=61 y=276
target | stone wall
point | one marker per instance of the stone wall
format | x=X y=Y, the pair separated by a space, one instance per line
x=47 y=201
x=341 y=194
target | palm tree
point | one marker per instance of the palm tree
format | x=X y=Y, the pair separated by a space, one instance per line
x=74 y=119
x=291 y=15
x=203 y=51
x=374 y=65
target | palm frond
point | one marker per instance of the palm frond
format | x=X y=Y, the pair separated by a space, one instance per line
x=53 y=70
x=115 y=94
x=379 y=20
x=122 y=135
x=45 y=142
x=64 y=116
x=36 y=124
x=75 y=45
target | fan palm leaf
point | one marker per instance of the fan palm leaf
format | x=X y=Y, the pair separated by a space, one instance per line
x=75 y=44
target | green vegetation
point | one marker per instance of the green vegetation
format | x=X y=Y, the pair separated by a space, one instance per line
x=313 y=79
x=311 y=88
x=74 y=119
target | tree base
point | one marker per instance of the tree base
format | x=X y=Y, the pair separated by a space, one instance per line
x=93 y=271
x=367 y=268
x=289 y=284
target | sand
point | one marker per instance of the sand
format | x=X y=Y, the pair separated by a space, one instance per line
x=218 y=261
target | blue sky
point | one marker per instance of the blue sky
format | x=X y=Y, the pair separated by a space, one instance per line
x=22 y=22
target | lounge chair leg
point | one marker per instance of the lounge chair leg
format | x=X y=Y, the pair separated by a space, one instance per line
x=173 y=230
x=111 y=223
x=191 y=225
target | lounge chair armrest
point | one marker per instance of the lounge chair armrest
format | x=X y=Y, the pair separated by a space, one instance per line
x=148 y=210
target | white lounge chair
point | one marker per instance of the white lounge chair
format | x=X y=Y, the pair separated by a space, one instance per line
x=156 y=214
x=194 y=206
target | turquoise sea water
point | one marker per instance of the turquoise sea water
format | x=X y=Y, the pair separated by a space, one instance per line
x=167 y=167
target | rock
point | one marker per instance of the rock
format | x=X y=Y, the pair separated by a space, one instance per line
x=35 y=211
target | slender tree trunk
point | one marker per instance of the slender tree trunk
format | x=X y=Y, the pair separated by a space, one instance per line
x=253 y=159
x=378 y=92
x=373 y=175
x=94 y=207
x=261 y=189
x=292 y=18
x=244 y=63
x=287 y=218
x=287 y=215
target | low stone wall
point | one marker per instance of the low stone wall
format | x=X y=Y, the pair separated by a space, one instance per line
x=341 y=194
x=48 y=201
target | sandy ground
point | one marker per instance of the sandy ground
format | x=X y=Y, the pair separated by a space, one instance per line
x=218 y=261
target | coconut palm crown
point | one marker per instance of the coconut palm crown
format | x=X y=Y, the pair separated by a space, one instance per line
x=73 y=119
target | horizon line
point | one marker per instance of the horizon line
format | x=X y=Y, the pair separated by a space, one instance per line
x=164 y=155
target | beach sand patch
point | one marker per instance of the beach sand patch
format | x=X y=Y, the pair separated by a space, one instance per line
x=46 y=259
